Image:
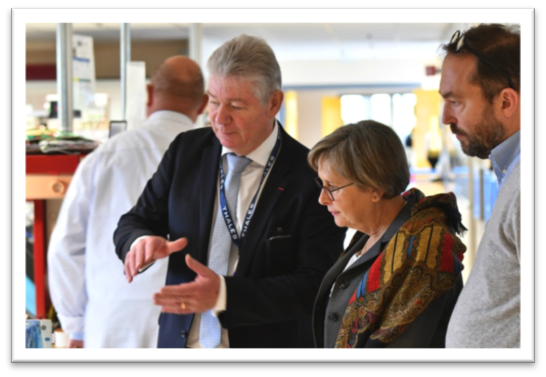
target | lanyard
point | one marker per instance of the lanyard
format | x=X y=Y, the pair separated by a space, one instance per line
x=225 y=210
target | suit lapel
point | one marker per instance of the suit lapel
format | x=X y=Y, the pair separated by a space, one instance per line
x=337 y=270
x=209 y=177
x=391 y=231
x=268 y=198
x=370 y=254
x=338 y=267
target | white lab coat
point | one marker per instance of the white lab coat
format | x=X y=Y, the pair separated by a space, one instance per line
x=86 y=278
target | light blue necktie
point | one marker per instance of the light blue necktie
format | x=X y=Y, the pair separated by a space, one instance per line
x=221 y=246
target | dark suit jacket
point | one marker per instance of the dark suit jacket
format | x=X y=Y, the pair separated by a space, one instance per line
x=290 y=244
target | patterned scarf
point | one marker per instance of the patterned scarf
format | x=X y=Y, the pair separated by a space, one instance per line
x=420 y=262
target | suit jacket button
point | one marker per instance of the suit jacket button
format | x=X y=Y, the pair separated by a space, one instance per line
x=332 y=317
x=183 y=333
x=344 y=284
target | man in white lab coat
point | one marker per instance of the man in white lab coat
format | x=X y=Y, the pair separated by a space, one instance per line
x=89 y=291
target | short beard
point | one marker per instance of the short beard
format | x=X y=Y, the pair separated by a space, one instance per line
x=487 y=133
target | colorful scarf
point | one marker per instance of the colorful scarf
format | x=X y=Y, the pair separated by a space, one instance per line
x=420 y=262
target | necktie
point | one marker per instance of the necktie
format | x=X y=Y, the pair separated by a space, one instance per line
x=221 y=245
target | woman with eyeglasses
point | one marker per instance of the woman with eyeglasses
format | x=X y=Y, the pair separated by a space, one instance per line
x=397 y=282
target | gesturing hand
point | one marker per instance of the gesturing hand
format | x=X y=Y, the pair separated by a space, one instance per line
x=197 y=296
x=149 y=249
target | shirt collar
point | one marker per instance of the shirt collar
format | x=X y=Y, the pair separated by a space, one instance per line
x=261 y=154
x=170 y=115
x=504 y=155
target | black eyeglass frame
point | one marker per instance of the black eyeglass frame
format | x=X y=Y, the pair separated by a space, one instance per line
x=458 y=40
x=328 y=190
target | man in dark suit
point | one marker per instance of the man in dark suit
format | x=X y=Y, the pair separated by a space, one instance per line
x=279 y=241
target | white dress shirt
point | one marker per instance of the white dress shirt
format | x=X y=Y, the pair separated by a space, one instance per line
x=250 y=180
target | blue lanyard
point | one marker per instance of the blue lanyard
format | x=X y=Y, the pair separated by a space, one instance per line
x=225 y=210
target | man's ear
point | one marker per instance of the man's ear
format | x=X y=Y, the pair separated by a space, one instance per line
x=150 y=93
x=203 y=104
x=508 y=102
x=275 y=102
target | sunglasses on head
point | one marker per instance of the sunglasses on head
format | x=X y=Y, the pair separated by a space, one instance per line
x=457 y=40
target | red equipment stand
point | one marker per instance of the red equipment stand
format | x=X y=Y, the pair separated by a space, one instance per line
x=47 y=177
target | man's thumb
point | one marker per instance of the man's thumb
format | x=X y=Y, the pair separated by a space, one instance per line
x=195 y=266
x=174 y=246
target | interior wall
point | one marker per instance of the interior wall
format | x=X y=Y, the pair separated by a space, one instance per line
x=107 y=55
x=310 y=115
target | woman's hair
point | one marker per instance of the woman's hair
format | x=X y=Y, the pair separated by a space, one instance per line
x=250 y=58
x=368 y=153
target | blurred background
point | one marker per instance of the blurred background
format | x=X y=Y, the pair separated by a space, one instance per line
x=333 y=74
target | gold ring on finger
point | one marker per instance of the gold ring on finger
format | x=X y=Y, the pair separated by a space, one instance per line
x=183 y=306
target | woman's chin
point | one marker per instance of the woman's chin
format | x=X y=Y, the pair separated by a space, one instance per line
x=340 y=223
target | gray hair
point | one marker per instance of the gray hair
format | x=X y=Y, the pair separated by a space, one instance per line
x=368 y=153
x=249 y=58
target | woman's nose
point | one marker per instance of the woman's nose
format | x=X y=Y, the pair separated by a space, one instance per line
x=324 y=199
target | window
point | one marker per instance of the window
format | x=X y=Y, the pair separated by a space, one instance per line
x=395 y=110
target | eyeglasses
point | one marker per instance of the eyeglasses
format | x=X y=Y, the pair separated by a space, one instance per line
x=329 y=190
x=458 y=40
